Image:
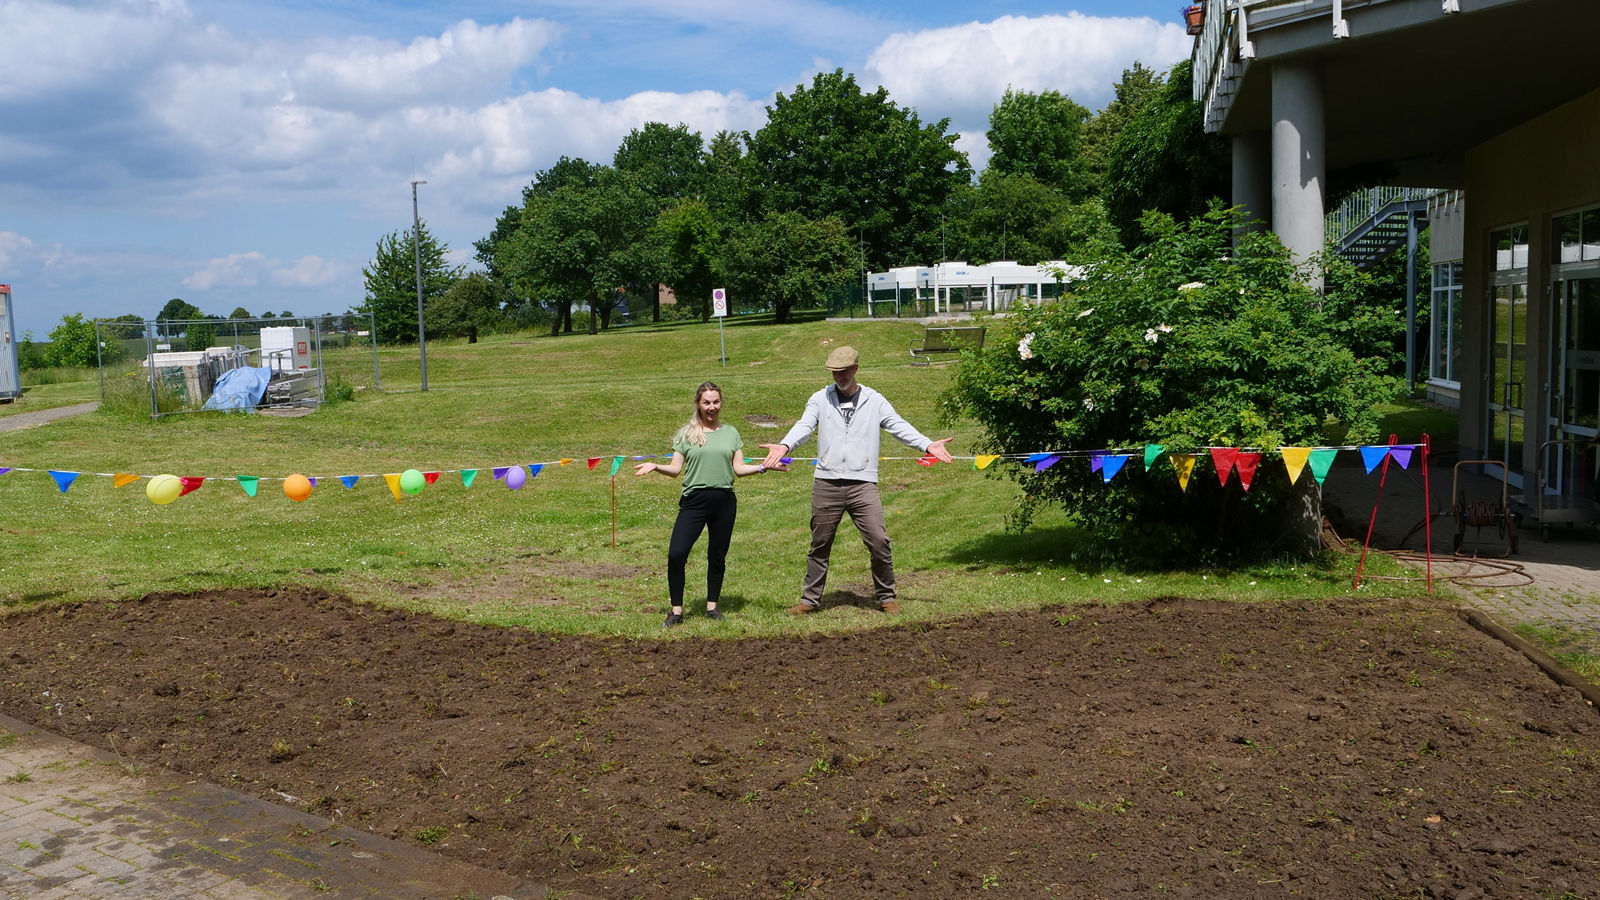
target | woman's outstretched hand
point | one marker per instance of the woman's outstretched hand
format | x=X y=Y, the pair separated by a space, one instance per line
x=645 y=468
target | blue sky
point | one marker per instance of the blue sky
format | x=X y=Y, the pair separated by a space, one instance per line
x=252 y=154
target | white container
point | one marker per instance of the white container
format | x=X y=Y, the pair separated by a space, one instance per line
x=10 y=374
x=286 y=349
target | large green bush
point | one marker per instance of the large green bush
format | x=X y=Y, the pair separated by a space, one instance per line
x=1186 y=342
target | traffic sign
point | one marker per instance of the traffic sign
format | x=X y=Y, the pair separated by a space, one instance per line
x=719 y=302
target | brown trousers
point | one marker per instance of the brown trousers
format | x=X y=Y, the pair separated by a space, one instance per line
x=831 y=500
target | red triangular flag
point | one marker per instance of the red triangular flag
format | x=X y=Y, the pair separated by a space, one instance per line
x=191 y=484
x=927 y=460
x=1224 y=459
x=594 y=461
x=430 y=477
x=1246 y=464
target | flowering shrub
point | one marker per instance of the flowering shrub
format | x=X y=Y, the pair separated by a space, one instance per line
x=1186 y=342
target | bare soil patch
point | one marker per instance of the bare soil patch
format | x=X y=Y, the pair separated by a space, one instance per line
x=1366 y=749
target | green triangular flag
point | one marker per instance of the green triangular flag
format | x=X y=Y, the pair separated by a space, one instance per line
x=616 y=464
x=248 y=482
x=467 y=475
x=1152 y=452
x=1322 y=460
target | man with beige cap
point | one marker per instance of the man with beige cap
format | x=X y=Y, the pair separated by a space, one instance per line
x=847 y=418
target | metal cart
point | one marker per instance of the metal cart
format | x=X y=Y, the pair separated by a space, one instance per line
x=1483 y=514
x=1550 y=509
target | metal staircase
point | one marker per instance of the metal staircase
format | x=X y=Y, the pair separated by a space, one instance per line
x=1371 y=224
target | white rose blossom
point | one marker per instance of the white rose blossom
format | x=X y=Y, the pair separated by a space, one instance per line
x=1088 y=403
x=1086 y=312
x=1025 y=346
x=1151 y=336
x=1192 y=286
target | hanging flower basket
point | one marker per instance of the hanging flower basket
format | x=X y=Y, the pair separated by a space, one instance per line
x=1194 y=18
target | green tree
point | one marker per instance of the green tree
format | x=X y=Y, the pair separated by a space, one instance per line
x=1164 y=160
x=126 y=327
x=831 y=151
x=496 y=251
x=787 y=262
x=690 y=235
x=176 y=311
x=199 y=335
x=1185 y=342
x=582 y=242
x=1039 y=135
x=29 y=355
x=240 y=312
x=391 y=282
x=727 y=169
x=1137 y=85
x=471 y=305
x=1016 y=217
x=72 y=344
x=668 y=162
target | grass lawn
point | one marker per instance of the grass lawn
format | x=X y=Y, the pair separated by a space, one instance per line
x=543 y=557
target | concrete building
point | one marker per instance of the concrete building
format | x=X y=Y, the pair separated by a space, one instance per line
x=1497 y=101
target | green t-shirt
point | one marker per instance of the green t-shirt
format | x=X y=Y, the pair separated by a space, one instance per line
x=710 y=466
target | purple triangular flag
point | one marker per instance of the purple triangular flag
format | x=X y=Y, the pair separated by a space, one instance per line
x=500 y=472
x=1402 y=455
x=4 y=469
x=1096 y=462
x=1046 y=463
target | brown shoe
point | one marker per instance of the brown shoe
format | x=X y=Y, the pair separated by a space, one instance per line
x=891 y=607
x=801 y=609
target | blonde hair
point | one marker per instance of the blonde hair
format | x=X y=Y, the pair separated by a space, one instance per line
x=694 y=432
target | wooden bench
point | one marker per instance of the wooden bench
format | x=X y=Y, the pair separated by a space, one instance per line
x=951 y=339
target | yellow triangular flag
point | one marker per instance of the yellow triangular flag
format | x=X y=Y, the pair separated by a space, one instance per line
x=982 y=461
x=1184 y=463
x=565 y=461
x=1294 y=458
x=394 y=485
x=122 y=478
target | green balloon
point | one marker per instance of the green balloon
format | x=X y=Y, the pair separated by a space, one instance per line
x=412 y=482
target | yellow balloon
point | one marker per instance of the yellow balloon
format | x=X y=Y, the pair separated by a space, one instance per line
x=163 y=489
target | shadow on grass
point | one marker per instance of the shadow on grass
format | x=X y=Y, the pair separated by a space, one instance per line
x=1034 y=546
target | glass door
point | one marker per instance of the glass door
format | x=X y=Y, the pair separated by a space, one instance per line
x=1504 y=406
x=1575 y=364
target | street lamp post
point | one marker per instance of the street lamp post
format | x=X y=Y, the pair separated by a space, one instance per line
x=416 y=251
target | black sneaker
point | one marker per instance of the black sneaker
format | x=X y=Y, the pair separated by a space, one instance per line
x=714 y=614
x=674 y=619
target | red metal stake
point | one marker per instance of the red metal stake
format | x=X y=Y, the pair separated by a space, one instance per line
x=1427 y=512
x=1382 y=477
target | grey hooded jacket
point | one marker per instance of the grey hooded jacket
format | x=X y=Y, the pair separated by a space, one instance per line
x=850 y=450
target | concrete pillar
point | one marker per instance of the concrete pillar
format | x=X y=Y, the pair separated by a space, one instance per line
x=1252 y=178
x=1299 y=160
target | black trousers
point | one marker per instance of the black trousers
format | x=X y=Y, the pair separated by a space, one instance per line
x=704 y=509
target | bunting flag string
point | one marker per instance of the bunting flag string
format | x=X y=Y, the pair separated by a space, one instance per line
x=1107 y=462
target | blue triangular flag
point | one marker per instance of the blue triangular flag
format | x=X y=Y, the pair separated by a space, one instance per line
x=349 y=480
x=63 y=479
x=534 y=469
x=1372 y=455
x=1035 y=457
x=1402 y=455
x=1112 y=464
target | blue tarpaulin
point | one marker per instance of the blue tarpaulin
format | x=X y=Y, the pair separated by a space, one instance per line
x=240 y=388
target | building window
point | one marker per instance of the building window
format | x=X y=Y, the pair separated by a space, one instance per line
x=1510 y=248
x=1576 y=237
x=1446 y=322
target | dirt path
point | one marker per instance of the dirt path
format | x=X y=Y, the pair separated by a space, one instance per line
x=1364 y=748
x=45 y=416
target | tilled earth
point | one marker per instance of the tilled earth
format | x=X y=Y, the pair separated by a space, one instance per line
x=1371 y=749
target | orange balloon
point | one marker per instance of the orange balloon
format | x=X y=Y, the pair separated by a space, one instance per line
x=297 y=487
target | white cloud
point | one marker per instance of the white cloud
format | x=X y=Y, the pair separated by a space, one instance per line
x=236 y=270
x=307 y=271
x=962 y=71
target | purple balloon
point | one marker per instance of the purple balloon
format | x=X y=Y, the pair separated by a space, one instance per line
x=516 y=477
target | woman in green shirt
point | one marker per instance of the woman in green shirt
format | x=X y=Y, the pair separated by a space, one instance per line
x=706 y=453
